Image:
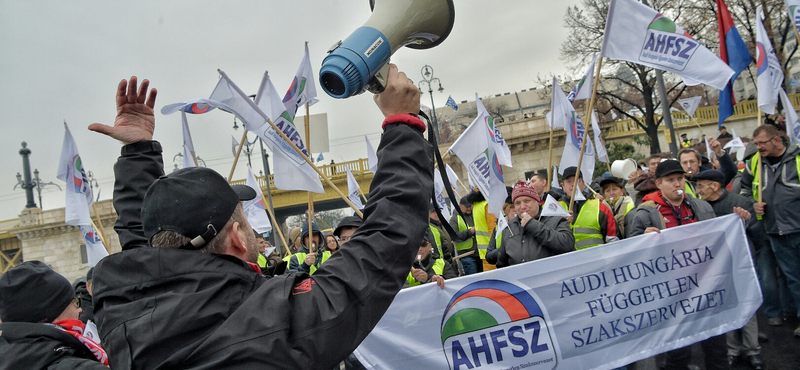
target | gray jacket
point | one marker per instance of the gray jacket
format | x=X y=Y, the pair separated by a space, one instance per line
x=647 y=215
x=781 y=193
x=538 y=239
x=724 y=206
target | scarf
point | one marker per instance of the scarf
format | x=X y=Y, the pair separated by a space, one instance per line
x=75 y=328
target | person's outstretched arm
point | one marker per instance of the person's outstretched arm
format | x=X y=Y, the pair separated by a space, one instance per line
x=351 y=291
x=140 y=163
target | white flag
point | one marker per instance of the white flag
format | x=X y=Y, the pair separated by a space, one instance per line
x=188 y=161
x=234 y=146
x=770 y=73
x=690 y=104
x=303 y=89
x=793 y=7
x=737 y=143
x=451 y=176
x=578 y=194
x=495 y=138
x=554 y=183
x=583 y=89
x=352 y=188
x=551 y=208
x=439 y=192
x=372 y=156
x=195 y=106
x=95 y=251
x=565 y=116
x=708 y=149
x=792 y=121
x=254 y=209
x=77 y=190
x=560 y=107
x=636 y=33
x=291 y=172
x=602 y=154
x=474 y=150
x=502 y=224
x=188 y=146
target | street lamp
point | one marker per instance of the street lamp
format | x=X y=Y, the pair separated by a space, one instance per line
x=427 y=77
x=38 y=184
x=26 y=182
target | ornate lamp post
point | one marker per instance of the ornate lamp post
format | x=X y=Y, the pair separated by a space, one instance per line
x=26 y=182
x=427 y=77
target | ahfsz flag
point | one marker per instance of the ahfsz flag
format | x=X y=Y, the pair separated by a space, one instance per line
x=303 y=89
x=636 y=33
x=352 y=189
x=495 y=138
x=690 y=104
x=563 y=115
x=372 y=156
x=475 y=150
x=439 y=192
x=602 y=154
x=768 y=68
x=583 y=89
x=792 y=121
x=95 y=250
x=78 y=192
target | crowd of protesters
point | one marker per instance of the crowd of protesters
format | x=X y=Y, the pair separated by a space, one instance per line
x=194 y=286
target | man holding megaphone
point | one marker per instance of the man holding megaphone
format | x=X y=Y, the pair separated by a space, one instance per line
x=185 y=291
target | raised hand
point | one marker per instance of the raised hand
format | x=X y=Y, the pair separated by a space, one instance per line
x=135 y=118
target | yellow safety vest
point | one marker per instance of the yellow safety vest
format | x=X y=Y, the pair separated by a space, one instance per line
x=437 y=238
x=466 y=244
x=586 y=227
x=754 y=169
x=301 y=256
x=689 y=190
x=438 y=269
x=482 y=233
x=262 y=261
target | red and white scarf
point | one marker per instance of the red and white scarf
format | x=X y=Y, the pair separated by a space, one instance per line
x=75 y=328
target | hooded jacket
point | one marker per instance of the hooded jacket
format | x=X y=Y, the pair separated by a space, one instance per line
x=37 y=346
x=538 y=239
x=781 y=192
x=648 y=214
x=164 y=308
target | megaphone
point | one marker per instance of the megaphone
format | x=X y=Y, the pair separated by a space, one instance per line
x=623 y=168
x=360 y=62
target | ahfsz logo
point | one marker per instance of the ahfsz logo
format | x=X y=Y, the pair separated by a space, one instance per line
x=492 y=323
x=668 y=45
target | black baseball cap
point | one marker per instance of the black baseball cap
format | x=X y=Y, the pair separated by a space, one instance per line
x=347 y=222
x=711 y=175
x=569 y=172
x=610 y=180
x=195 y=202
x=668 y=167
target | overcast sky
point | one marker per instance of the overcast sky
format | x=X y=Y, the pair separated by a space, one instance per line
x=62 y=61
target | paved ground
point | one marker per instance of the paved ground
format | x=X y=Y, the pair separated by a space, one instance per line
x=780 y=352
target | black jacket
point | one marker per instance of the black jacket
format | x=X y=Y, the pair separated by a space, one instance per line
x=724 y=206
x=32 y=346
x=160 y=308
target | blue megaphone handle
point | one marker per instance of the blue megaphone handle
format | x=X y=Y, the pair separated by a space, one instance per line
x=348 y=69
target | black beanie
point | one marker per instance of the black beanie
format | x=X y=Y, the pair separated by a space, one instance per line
x=32 y=292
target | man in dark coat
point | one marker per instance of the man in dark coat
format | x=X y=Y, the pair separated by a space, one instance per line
x=185 y=292
x=40 y=328
x=742 y=343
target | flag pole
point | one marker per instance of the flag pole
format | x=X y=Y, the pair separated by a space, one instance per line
x=296 y=149
x=101 y=236
x=99 y=222
x=587 y=130
x=362 y=195
x=310 y=194
x=550 y=173
x=758 y=164
x=238 y=152
x=275 y=225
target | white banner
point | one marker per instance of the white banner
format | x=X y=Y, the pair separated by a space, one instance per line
x=597 y=308
x=690 y=104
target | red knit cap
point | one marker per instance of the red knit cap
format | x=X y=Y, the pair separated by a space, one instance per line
x=523 y=189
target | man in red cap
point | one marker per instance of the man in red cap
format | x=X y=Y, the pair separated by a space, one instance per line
x=529 y=235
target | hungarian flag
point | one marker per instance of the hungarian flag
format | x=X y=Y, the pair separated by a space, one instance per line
x=636 y=33
x=733 y=51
